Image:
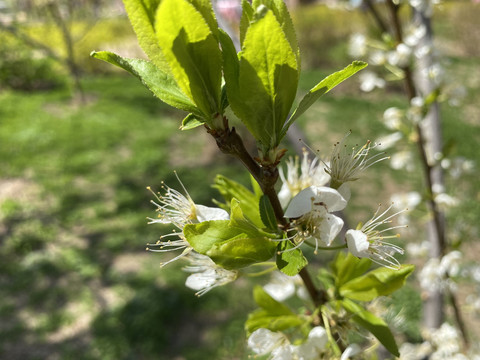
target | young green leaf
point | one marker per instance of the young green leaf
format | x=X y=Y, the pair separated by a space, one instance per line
x=162 y=84
x=267 y=214
x=247 y=17
x=262 y=87
x=378 y=282
x=374 y=324
x=191 y=121
x=322 y=88
x=230 y=189
x=346 y=267
x=292 y=261
x=232 y=244
x=272 y=314
x=283 y=17
x=192 y=52
x=142 y=17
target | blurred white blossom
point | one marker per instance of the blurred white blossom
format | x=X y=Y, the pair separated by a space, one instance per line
x=369 y=81
x=402 y=160
x=281 y=287
x=357 y=45
x=389 y=140
x=400 y=56
x=392 y=118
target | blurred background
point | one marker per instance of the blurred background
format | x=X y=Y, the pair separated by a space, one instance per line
x=81 y=140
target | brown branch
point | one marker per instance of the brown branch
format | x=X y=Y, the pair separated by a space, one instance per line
x=229 y=142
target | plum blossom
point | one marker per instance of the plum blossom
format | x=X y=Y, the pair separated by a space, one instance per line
x=281 y=287
x=392 y=118
x=369 y=81
x=369 y=242
x=436 y=273
x=206 y=274
x=311 y=211
x=347 y=164
x=312 y=172
x=179 y=210
x=388 y=141
x=400 y=56
x=263 y=341
x=357 y=45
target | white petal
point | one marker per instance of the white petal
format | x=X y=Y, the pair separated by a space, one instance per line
x=329 y=228
x=283 y=352
x=318 y=337
x=284 y=195
x=344 y=190
x=306 y=351
x=205 y=213
x=262 y=341
x=281 y=287
x=318 y=196
x=330 y=197
x=357 y=243
x=301 y=203
x=351 y=350
x=201 y=280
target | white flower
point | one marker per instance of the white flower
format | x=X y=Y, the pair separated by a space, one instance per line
x=418 y=250
x=206 y=274
x=312 y=348
x=263 y=341
x=282 y=287
x=377 y=57
x=445 y=201
x=388 y=141
x=369 y=81
x=402 y=160
x=400 y=56
x=351 y=350
x=406 y=200
x=179 y=210
x=369 y=242
x=392 y=118
x=357 y=45
x=414 y=33
x=312 y=172
x=347 y=164
x=311 y=211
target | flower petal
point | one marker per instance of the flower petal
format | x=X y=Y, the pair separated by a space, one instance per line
x=205 y=213
x=357 y=243
x=329 y=228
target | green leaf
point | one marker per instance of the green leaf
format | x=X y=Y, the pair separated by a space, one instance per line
x=230 y=189
x=191 y=121
x=247 y=16
x=241 y=251
x=290 y=262
x=205 y=8
x=262 y=86
x=142 y=17
x=347 y=267
x=192 y=52
x=375 y=325
x=160 y=83
x=378 y=282
x=204 y=235
x=273 y=315
x=283 y=17
x=267 y=214
x=322 y=88
x=232 y=244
